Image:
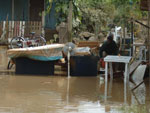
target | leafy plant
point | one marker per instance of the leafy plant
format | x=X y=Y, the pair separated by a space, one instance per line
x=96 y=15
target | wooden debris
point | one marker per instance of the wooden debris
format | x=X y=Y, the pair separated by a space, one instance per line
x=134 y=65
x=90 y=44
x=138 y=76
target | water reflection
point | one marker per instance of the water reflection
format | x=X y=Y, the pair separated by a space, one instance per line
x=38 y=94
x=116 y=92
x=3 y=58
x=58 y=94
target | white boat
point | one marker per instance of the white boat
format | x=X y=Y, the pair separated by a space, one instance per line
x=43 y=53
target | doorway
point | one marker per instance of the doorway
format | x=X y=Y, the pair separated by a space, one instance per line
x=36 y=7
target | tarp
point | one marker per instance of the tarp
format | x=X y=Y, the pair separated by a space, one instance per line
x=43 y=53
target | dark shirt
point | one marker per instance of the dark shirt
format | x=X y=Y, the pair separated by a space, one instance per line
x=110 y=47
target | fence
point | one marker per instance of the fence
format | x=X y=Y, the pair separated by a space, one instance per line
x=20 y=28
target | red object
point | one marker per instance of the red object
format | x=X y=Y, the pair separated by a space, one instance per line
x=29 y=43
x=37 y=41
x=102 y=63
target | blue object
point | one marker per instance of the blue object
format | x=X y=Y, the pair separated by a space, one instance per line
x=44 y=58
x=40 y=58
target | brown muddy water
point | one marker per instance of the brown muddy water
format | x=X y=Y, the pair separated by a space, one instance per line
x=59 y=94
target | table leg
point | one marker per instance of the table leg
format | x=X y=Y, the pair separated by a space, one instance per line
x=106 y=71
x=110 y=87
x=126 y=72
x=125 y=93
x=126 y=79
x=111 y=70
x=106 y=79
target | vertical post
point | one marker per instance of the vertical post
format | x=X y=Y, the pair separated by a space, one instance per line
x=115 y=36
x=124 y=37
x=126 y=72
x=111 y=70
x=29 y=10
x=149 y=39
x=69 y=50
x=149 y=33
x=122 y=40
x=106 y=72
x=132 y=36
x=106 y=80
x=126 y=80
x=125 y=93
x=43 y=23
x=70 y=21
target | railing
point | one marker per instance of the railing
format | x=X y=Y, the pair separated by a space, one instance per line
x=20 y=28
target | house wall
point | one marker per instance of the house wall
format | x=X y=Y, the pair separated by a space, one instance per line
x=36 y=8
x=21 y=10
x=5 y=9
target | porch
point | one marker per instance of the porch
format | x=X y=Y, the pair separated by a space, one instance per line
x=9 y=29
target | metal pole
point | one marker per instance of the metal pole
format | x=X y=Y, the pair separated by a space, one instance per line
x=69 y=64
x=124 y=35
x=132 y=37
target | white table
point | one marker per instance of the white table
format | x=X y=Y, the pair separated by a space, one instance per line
x=120 y=59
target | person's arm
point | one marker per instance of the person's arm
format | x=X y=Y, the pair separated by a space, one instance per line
x=100 y=52
x=116 y=48
x=102 y=48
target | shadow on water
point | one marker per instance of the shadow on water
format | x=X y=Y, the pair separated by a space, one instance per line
x=58 y=94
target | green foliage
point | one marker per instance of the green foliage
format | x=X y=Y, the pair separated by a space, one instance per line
x=126 y=9
x=61 y=8
x=49 y=6
x=96 y=15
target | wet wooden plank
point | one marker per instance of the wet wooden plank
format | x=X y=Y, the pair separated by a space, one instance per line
x=138 y=74
x=134 y=65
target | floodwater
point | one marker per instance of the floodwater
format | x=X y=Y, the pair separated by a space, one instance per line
x=59 y=94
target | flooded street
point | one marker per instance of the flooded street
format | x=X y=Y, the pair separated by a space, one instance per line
x=59 y=94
